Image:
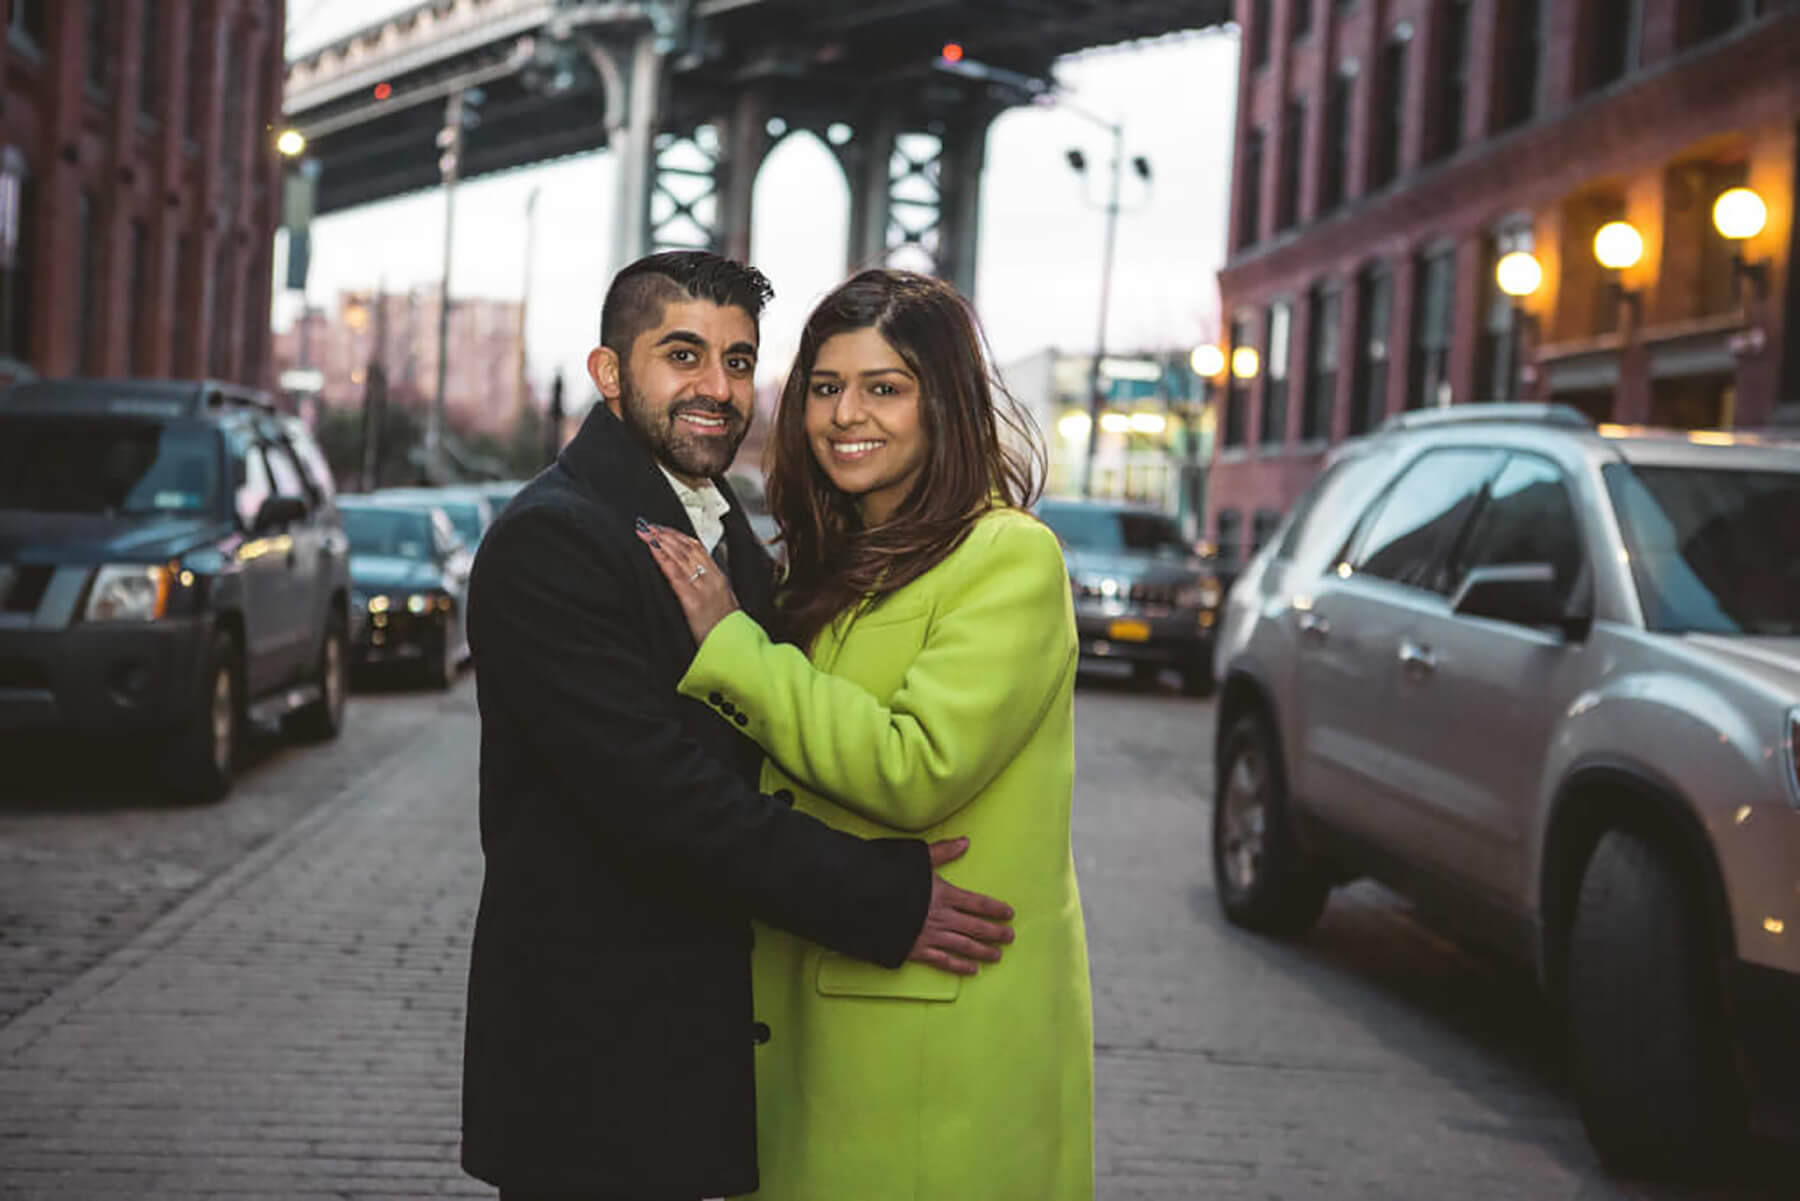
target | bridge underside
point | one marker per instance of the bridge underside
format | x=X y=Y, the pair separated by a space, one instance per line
x=692 y=106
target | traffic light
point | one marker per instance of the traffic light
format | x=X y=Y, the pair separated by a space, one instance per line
x=461 y=114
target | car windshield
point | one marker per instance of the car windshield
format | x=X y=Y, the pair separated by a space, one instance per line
x=396 y=533
x=466 y=517
x=1115 y=530
x=114 y=466
x=1712 y=551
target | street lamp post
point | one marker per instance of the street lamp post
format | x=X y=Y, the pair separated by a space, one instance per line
x=1518 y=274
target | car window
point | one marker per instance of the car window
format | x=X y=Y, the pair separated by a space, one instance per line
x=254 y=487
x=283 y=471
x=1405 y=534
x=107 y=465
x=397 y=533
x=1527 y=517
x=1712 y=550
x=1325 y=511
x=1097 y=528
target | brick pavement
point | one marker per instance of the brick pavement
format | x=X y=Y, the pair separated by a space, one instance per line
x=292 y=1030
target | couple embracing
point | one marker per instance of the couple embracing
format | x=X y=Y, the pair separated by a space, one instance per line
x=779 y=897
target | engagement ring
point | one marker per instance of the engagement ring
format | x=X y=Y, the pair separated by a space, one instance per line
x=698 y=572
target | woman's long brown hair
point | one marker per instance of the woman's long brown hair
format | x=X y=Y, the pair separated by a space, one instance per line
x=833 y=562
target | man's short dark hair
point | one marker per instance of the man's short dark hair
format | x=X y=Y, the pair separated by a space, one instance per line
x=634 y=302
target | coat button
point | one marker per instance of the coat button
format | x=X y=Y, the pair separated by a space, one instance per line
x=727 y=708
x=759 y=1033
x=742 y=719
x=714 y=698
x=784 y=795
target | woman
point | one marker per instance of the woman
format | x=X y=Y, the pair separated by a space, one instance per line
x=934 y=698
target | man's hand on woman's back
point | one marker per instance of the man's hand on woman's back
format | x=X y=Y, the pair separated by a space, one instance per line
x=962 y=929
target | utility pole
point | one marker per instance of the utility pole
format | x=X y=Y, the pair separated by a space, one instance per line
x=459 y=115
x=375 y=396
x=524 y=384
x=1096 y=402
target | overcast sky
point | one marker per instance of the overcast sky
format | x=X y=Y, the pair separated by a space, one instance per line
x=1039 y=267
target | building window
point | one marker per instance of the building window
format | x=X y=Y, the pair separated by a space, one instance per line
x=15 y=283
x=1334 y=164
x=1497 y=353
x=1293 y=143
x=1230 y=537
x=98 y=60
x=1250 y=191
x=1237 y=391
x=1374 y=313
x=187 y=295
x=1613 y=50
x=1260 y=20
x=87 y=263
x=137 y=353
x=1300 y=18
x=1390 y=115
x=28 y=21
x=1276 y=333
x=1428 y=384
x=149 y=82
x=202 y=61
x=1321 y=364
x=1524 y=58
x=1715 y=18
x=1262 y=528
x=1453 y=78
x=224 y=313
x=231 y=136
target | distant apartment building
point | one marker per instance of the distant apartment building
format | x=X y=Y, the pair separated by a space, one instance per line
x=1390 y=153
x=139 y=185
x=485 y=387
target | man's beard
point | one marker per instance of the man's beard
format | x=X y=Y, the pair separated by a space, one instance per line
x=679 y=450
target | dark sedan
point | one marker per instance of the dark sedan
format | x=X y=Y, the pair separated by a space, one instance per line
x=409 y=577
x=1142 y=593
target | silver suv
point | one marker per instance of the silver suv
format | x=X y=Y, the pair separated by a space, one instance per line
x=1545 y=678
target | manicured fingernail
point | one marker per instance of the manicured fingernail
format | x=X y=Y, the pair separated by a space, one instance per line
x=655 y=543
x=642 y=525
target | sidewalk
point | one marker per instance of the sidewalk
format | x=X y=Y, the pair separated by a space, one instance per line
x=292 y=1030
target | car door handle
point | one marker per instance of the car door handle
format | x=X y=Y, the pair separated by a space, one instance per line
x=1313 y=626
x=1419 y=658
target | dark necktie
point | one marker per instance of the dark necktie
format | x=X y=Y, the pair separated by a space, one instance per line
x=722 y=557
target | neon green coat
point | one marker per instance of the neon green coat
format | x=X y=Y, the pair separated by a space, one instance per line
x=947 y=710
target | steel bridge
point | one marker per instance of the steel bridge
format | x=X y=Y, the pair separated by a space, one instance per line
x=691 y=95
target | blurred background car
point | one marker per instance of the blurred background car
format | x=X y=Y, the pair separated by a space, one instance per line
x=170 y=567
x=466 y=505
x=409 y=578
x=1143 y=594
x=497 y=492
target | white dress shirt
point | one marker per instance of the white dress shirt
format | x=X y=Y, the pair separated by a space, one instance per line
x=706 y=508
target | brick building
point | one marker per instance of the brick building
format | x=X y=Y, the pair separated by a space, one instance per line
x=136 y=160
x=485 y=389
x=1390 y=152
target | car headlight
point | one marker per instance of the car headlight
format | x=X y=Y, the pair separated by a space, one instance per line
x=418 y=602
x=129 y=592
x=379 y=604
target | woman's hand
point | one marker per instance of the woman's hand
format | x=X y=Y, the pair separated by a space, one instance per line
x=703 y=590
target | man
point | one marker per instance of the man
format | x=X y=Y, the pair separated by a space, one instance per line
x=610 y=1029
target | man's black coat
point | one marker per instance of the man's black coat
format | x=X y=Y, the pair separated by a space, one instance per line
x=610 y=1034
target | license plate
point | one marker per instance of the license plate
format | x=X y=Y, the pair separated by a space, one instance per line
x=1128 y=630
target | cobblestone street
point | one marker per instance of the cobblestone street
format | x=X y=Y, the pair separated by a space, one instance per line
x=263 y=999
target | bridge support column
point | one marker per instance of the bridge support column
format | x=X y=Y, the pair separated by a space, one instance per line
x=915 y=195
x=747 y=144
x=633 y=77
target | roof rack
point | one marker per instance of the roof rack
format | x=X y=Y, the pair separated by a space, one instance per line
x=1530 y=414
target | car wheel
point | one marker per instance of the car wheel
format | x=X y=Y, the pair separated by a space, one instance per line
x=199 y=763
x=1264 y=879
x=440 y=668
x=324 y=718
x=1648 y=1053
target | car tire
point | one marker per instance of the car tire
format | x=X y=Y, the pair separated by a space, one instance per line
x=1648 y=1053
x=198 y=764
x=322 y=720
x=1265 y=880
x=439 y=670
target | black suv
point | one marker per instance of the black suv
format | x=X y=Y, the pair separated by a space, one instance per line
x=172 y=566
x=1142 y=592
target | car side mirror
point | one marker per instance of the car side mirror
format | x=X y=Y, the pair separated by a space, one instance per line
x=278 y=511
x=1522 y=593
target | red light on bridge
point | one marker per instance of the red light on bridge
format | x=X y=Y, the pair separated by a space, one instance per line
x=383 y=91
x=953 y=52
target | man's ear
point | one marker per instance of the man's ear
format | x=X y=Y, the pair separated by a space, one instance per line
x=604 y=369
